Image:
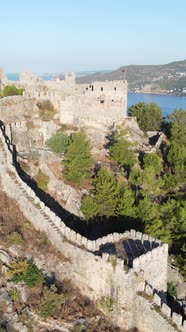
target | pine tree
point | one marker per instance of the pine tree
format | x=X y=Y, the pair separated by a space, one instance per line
x=152 y=160
x=121 y=152
x=88 y=207
x=125 y=205
x=105 y=192
x=149 y=116
x=178 y=126
x=78 y=160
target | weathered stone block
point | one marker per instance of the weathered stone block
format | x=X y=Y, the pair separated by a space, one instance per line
x=136 y=263
x=151 y=239
x=57 y=221
x=177 y=319
x=78 y=239
x=99 y=242
x=52 y=215
x=148 y=290
x=142 y=259
x=42 y=205
x=120 y=263
x=145 y=237
x=183 y=328
x=110 y=238
x=165 y=247
x=47 y=210
x=84 y=241
x=62 y=228
x=157 y=300
x=116 y=237
x=166 y=310
x=105 y=256
x=148 y=256
x=138 y=235
x=72 y=236
x=90 y=245
x=132 y=234
x=105 y=239
x=32 y=193
x=36 y=200
x=67 y=232
x=126 y=234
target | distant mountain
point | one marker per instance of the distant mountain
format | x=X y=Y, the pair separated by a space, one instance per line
x=169 y=77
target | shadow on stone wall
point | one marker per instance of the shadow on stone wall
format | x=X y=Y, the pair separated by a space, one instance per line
x=92 y=230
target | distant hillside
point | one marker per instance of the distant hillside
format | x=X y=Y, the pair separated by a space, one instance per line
x=169 y=77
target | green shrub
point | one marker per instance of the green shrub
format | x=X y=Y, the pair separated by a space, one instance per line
x=15 y=238
x=58 y=142
x=50 y=301
x=11 y=90
x=106 y=304
x=14 y=295
x=26 y=271
x=171 y=289
x=42 y=180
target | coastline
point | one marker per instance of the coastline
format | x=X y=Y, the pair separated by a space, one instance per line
x=158 y=93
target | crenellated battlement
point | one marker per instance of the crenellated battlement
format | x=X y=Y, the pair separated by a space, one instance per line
x=152 y=248
x=117 y=265
x=158 y=300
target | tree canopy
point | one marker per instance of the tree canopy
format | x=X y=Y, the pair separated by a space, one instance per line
x=78 y=161
x=120 y=151
x=149 y=116
x=58 y=142
x=178 y=126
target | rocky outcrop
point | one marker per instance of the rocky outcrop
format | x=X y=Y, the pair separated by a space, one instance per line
x=17 y=108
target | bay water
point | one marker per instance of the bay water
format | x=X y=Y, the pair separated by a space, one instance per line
x=168 y=103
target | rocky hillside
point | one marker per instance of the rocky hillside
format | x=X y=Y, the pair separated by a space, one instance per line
x=35 y=292
x=171 y=76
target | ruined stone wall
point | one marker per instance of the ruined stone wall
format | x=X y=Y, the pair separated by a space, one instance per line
x=17 y=108
x=112 y=89
x=78 y=109
x=29 y=135
x=153 y=314
x=97 y=275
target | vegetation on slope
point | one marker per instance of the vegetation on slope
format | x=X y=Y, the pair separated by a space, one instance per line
x=58 y=142
x=46 y=296
x=78 y=161
x=148 y=191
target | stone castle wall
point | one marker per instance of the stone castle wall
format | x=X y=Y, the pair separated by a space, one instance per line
x=17 y=108
x=30 y=135
x=95 y=274
x=78 y=104
x=155 y=314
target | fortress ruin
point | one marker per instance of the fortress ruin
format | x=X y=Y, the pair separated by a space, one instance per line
x=129 y=268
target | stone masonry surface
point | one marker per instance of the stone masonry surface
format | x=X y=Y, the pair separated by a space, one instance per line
x=100 y=274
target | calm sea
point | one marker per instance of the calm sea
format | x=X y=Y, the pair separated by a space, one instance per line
x=165 y=102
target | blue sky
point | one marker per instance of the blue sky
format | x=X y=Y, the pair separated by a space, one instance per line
x=76 y=35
